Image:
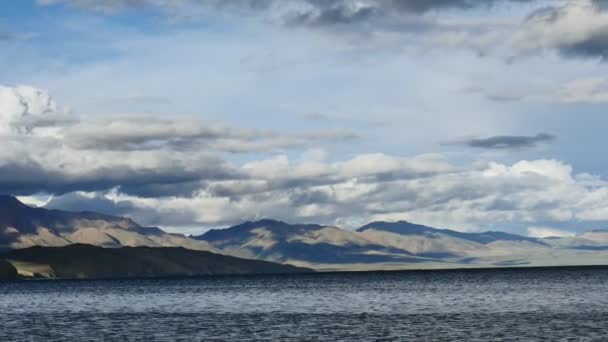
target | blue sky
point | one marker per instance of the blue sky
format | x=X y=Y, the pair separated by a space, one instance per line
x=307 y=87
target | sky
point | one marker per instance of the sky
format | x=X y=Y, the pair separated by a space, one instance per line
x=472 y=115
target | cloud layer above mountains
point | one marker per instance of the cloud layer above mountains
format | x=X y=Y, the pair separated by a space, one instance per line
x=177 y=173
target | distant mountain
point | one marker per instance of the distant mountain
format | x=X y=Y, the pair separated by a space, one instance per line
x=595 y=240
x=22 y=226
x=378 y=245
x=311 y=245
x=90 y=262
x=396 y=245
x=407 y=228
x=281 y=242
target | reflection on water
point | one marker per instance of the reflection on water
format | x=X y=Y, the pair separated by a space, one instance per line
x=449 y=305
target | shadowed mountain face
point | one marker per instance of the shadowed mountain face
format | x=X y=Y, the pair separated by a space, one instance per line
x=88 y=262
x=22 y=226
x=595 y=240
x=407 y=228
x=7 y=271
x=282 y=242
x=379 y=242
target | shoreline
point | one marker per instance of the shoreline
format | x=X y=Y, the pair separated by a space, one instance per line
x=317 y=273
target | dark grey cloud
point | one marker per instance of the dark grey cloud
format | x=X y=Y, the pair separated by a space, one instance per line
x=364 y=18
x=593 y=46
x=412 y=6
x=27 y=177
x=508 y=142
x=96 y=203
x=299 y=198
x=338 y=15
x=601 y=4
x=427 y=5
x=350 y=12
x=316 y=12
x=148 y=134
x=143 y=133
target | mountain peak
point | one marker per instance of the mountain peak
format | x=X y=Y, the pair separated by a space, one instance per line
x=269 y=222
x=7 y=201
x=398 y=227
x=244 y=230
x=24 y=226
x=15 y=214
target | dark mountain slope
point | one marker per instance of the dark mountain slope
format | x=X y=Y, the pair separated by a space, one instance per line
x=26 y=219
x=7 y=271
x=85 y=261
x=242 y=232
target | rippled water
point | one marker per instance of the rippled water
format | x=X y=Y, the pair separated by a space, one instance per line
x=481 y=305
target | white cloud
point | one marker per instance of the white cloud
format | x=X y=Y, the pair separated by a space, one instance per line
x=544 y=232
x=587 y=90
x=473 y=198
x=144 y=155
x=23 y=108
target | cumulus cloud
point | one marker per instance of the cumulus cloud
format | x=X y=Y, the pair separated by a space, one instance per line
x=508 y=142
x=47 y=150
x=23 y=109
x=424 y=189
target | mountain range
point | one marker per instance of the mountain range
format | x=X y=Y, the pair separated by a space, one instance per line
x=375 y=246
x=22 y=226
x=36 y=242
x=401 y=245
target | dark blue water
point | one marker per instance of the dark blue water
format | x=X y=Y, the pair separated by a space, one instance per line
x=501 y=305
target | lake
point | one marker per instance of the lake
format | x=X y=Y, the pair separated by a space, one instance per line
x=472 y=305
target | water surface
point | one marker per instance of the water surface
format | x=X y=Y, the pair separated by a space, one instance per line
x=475 y=305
